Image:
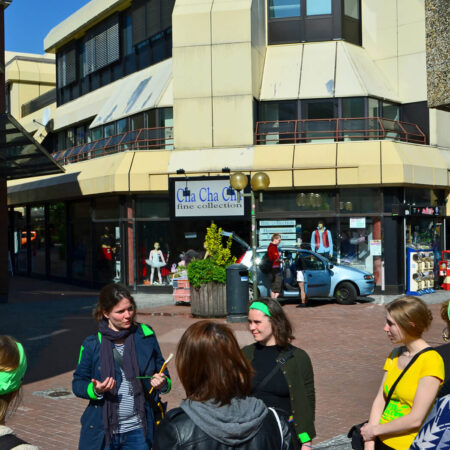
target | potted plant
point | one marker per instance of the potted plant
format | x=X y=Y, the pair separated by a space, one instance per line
x=207 y=277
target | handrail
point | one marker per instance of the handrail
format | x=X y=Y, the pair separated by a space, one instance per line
x=336 y=129
x=140 y=139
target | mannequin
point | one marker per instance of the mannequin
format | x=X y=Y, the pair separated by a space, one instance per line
x=156 y=261
x=321 y=240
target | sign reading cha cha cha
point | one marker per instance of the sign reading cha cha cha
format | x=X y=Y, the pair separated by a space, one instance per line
x=206 y=198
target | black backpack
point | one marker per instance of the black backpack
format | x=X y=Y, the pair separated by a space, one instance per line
x=265 y=266
x=10 y=441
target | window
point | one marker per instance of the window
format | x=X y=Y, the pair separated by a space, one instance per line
x=318 y=7
x=101 y=46
x=96 y=133
x=374 y=107
x=391 y=111
x=351 y=9
x=353 y=107
x=80 y=135
x=122 y=126
x=137 y=121
x=318 y=109
x=66 y=67
x=284 y=8
x=109 y=130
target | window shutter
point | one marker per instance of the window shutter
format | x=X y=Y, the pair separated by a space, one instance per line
x=138 y=18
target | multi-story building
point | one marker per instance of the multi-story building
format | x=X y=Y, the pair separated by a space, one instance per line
x=157 y=101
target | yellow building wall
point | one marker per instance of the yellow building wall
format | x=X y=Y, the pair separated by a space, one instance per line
x=217 y=70
x=440 y=128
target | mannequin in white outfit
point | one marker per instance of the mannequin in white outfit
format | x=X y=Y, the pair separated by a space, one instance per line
x=156 y=261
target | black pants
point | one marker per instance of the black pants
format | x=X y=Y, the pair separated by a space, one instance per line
x=380 y=446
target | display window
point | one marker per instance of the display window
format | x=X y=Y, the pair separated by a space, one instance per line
x=37 y=239
x=80 y=227
x=57 y=234
x=108 y=252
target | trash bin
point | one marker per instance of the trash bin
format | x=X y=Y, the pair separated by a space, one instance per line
x=237 y=293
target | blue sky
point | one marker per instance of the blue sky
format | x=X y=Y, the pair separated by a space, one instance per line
x=27 y=22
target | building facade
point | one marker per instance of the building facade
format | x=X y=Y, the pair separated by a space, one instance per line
x=158 y=101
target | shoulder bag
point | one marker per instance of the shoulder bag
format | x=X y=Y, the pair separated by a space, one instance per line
x=265 y=266
x=355 y=431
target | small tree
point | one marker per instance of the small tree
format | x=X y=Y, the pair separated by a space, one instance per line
x=220 y=254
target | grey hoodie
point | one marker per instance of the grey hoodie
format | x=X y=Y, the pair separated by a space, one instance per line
x=231 y=424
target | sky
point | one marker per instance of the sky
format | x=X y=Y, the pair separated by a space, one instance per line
x=27 y=22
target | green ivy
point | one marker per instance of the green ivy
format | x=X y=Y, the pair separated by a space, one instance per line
x=203 y=271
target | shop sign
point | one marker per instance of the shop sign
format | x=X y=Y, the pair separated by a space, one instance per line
x=357 y=222
x=205 y=198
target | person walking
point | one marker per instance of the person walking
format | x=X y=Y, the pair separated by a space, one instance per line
x=395 y=425
x=284 y=375
x=218 y=413
x=109 y=371
x=13 y=365
x=274 y=256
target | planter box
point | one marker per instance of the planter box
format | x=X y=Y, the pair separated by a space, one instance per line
x=209 y=300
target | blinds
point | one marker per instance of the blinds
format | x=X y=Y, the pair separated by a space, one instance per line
x=101 y=47
x=66 y=66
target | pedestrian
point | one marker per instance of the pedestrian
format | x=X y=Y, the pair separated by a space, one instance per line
x=394 y=424
x=13 y=364
x=120 y=413
x=284 y=375
x=218 y=413
x=435 y=432
x=301 y=281
x=273 y=253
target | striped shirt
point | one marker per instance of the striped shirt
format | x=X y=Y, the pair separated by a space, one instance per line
x=128 y=419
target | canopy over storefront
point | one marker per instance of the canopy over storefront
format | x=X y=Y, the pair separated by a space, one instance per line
x=21 y=156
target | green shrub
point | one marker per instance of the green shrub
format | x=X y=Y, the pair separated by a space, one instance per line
x=203 y=271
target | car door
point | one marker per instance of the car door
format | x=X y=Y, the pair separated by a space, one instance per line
x=317 y=275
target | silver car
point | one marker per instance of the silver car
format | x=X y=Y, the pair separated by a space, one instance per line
x=323 y=279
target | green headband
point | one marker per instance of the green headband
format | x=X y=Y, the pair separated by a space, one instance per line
x=261 y=306
x=11 y=381
x=448 y=310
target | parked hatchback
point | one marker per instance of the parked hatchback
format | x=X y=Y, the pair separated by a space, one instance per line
x=323 y=279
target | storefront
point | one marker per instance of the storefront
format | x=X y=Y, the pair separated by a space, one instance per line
x=103 y=239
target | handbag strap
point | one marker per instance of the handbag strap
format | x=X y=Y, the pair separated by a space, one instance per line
x=279 y=425
x=391 y=391
x=280 y=361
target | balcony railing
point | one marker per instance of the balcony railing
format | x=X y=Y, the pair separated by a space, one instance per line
x=142 y=139
x=333 y=130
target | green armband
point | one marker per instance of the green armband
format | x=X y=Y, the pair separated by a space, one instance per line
x=169 y=385
x=90 y=391
x=304 y=437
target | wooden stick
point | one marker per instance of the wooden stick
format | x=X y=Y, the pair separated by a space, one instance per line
x=163 y=368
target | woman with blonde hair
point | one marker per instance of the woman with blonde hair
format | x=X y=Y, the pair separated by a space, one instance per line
x=413 y=375
x=13 y=364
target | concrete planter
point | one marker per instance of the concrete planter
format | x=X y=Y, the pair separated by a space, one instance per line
x=209 y=300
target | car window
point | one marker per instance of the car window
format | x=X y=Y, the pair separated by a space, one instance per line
x=312 y=262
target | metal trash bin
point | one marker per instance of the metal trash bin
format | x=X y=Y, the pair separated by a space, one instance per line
x=237 y=293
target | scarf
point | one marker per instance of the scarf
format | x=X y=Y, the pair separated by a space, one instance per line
x=131 y=370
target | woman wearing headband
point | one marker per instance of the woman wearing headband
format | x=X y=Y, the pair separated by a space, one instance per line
x=395 y=425
x=284 y=375
x=13 y=364
x=116 y=369
x=218 y=413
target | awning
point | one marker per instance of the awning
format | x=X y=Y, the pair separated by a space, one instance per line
x=137 y=92
x=21 y=156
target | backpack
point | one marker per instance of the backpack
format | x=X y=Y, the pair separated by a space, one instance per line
x=10 y=441
x=265 y=266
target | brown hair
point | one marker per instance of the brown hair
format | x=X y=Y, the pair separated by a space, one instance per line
x=275 y=236
x=9 y=360
x=281 y=325
x=210 y=364
x=109 y=296
x=411 y=314
x=444 y=312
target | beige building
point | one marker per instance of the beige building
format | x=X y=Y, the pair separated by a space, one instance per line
x=155 y=98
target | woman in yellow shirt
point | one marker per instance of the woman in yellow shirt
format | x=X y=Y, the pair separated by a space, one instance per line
x=396 y=425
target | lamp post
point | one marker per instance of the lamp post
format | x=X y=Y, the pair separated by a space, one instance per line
x=259 y=182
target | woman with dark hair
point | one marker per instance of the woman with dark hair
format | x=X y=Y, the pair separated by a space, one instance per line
x=13 y=364
x=116 y=369
x=284 y=375
x=217 y=413
x=397 y=416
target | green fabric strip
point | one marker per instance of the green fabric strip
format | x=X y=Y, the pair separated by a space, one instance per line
x=304 y=437
x=81 y=352
x=90 y=391
x=99 y=335
x=146 y=330
x=261 y=307
x=169 y=385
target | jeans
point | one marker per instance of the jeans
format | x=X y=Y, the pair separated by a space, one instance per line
x=132 y=440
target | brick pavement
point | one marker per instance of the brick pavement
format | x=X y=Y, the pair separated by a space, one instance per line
x=346 y=344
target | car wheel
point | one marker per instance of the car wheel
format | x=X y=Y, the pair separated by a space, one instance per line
x=346 y=293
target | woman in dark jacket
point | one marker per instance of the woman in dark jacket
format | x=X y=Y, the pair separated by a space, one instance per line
x=118 y=415
x=290 y=386
x=218 y=414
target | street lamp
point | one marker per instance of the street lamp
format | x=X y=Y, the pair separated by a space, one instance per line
x=260 y=181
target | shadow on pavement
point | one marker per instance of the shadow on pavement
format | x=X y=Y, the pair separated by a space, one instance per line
x=50 y=320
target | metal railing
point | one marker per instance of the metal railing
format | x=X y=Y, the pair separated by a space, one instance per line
x=339 y=129
x=142 y=139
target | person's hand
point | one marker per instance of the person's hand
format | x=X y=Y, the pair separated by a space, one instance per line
x=367 y=432
x=158 y=380
x=100 y=387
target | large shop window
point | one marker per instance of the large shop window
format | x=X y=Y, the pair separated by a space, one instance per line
x=58 y=234
x=37 y=241
x=298 y=201
x=20 y=240
x=81 y=241
x=108 y=252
